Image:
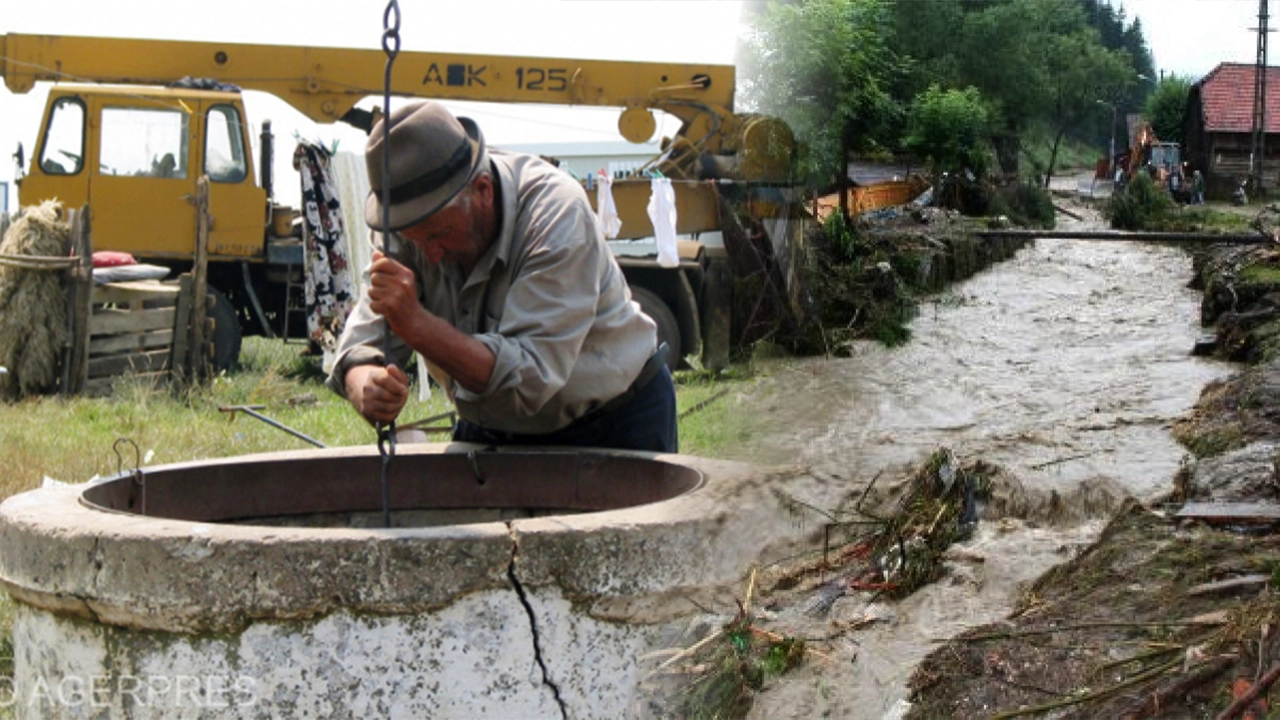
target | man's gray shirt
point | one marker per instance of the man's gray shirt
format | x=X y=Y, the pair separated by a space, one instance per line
x=547 y=298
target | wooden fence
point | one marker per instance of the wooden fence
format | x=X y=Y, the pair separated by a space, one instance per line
x=141 y=328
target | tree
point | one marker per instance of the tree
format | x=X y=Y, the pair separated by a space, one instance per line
x=1165 y=107
x=822 y=66
x=950 y=128
x=1013 y=51
x=1081 y=75
x=1016 y=52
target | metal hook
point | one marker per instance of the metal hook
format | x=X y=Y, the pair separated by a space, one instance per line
x=387 y=450
x=137 y=455
x=138 y=479
x=474 y=460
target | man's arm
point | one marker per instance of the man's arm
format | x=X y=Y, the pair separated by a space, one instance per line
x=393 y=293
x=363 y=350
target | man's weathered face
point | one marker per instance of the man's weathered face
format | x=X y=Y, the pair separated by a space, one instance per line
x=454 y=233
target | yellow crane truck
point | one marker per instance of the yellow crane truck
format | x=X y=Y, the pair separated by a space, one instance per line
x=130 y=140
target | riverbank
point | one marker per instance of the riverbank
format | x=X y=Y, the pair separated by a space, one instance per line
x=1163 y=616
x=1055 y=376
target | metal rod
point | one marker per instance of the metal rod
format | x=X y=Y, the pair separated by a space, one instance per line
x=252 y=410
x=425 y=423
x=391 y=46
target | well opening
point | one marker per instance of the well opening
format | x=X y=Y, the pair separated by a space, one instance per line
x=426 y=489
x=183 y=571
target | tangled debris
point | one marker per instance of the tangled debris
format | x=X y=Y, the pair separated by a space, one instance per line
x=726 y=668
x=862 y=280
x=33 y=315
x=1157 y=619
x=886 y=545
x=898 y=547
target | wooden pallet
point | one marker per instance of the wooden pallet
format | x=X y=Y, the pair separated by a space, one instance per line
x=139 y=328
x=134 y=327
x=131 y=331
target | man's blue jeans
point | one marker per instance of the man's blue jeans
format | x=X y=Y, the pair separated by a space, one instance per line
x=646 y=422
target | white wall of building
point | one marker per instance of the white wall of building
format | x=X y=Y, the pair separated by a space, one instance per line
x=587 y=158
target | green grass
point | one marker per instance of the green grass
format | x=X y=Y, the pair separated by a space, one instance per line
x=710 y=423
x=1260 y=274
x=72 y=439
x=1215 y=217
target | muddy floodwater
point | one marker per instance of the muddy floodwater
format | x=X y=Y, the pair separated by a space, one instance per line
x=1065 y=365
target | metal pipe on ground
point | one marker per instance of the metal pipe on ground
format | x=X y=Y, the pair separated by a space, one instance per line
x=253 y=410
x=1237 y=238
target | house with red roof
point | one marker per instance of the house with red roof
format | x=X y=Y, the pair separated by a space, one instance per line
x=1218 y=127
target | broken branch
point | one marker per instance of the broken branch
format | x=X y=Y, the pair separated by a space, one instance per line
x=1167 y=697
x=1244 y=701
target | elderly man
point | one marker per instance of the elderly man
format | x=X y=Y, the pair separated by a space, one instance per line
x=499 y=276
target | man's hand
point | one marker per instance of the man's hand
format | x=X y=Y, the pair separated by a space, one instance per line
x=393 y=293
x=378 y=393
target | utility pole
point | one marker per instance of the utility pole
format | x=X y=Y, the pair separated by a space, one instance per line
x=1258 y=146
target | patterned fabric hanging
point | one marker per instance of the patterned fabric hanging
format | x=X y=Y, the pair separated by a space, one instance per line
x=329 y=290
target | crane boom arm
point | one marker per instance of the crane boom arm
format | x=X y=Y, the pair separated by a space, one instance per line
x=324 y=83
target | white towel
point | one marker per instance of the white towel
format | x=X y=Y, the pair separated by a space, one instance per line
x=662 y=212
x=606 y=211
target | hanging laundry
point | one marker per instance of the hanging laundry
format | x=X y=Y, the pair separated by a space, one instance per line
x=662 y=213
x=329 y=291
x=606 y=211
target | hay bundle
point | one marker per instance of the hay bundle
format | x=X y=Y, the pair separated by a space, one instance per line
x=33 y=307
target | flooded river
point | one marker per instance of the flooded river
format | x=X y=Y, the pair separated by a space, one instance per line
x=1065 y=365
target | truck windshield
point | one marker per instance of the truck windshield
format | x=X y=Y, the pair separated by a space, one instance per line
x=144 y=142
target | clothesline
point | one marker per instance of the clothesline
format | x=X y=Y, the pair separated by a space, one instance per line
x=594 y=178
x=661 y=210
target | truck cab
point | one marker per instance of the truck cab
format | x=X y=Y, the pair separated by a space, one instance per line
x=134 y=153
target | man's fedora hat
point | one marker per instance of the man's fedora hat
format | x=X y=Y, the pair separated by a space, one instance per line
x=433 y=157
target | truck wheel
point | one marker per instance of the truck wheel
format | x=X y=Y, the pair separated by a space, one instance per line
x=226 y=332
x=668 y=328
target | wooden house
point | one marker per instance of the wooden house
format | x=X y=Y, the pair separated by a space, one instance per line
x=1218 y=128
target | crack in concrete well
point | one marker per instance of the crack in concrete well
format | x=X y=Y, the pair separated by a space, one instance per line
x=96 y=583
x=533 y=624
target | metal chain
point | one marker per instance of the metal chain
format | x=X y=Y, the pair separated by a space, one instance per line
x=391 y=46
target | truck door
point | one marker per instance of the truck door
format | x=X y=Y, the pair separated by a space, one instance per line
x=238 y=206
x=58 y=165
x=141 y=186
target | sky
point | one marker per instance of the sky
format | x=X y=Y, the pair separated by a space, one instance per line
x=689 y=31
x=1190 y=37
x=1187 y=37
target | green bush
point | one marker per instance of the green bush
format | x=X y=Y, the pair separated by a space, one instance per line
x=841 y=238
x=1025 y=204
x=1141 y=205
x=1031 y=206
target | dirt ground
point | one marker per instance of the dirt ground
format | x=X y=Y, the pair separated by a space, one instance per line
x=1158 y=616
